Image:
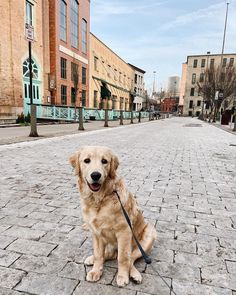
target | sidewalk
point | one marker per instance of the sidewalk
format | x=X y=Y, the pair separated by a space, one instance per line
x=182 y=173
x=9 y=135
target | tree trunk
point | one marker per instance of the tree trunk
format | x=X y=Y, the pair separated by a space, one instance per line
x=81 y=119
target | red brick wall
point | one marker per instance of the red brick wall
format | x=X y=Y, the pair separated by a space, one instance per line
x=55 y=54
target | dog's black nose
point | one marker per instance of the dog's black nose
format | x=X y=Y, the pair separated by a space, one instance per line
x=96 y=176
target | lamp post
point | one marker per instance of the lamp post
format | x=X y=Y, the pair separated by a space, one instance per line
x=222 y=55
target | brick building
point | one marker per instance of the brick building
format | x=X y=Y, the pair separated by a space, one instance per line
x=109 y=71
x=169 y=105
x=61 y=42
x=69 y=51
x=14 y=63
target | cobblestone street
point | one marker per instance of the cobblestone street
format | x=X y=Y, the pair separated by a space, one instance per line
x=183 y=173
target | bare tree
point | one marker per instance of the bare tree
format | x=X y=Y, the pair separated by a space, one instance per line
x=75 y=80
x=222 y=79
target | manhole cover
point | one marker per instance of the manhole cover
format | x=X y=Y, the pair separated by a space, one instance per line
x=232 y=144
x=193 y=125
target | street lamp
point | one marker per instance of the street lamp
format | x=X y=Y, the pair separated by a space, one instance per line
x=221 y=59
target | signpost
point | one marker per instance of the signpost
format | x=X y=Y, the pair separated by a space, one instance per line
x=29 y=35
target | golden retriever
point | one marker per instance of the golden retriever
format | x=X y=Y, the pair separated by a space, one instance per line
x=96 y=168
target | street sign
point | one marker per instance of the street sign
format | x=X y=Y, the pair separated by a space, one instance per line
x=29 y=32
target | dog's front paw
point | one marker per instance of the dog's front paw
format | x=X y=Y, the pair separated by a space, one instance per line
x=93 y=276
x=89 y=260
x=122 y=280
x=136 y=275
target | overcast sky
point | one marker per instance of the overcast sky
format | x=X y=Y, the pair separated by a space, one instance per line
x=157 y=35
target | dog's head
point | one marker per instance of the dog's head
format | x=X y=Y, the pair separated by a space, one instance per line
x=95 y=165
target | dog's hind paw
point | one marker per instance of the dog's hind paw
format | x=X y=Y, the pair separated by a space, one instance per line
x=89 y=260
x=122 y=280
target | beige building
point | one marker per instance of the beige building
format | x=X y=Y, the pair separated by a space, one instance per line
x=109 y=72
x=14 y=62
x=193 y=71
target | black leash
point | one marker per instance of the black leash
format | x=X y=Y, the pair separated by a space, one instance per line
x=146 y=258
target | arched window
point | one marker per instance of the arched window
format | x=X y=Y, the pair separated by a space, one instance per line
x=26 y=69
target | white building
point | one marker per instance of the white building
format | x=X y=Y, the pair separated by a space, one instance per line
x=140 y=97
x=193 y=71
x=173 y=86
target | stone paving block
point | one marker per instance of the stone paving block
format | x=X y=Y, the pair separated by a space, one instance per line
x=54 y=238
x=218 y=276
x=5 y=241
x=216 y=232
x=10 y=277
x=31 y=247
x=165 y=226
x=43 y=265
x=231 y=266
x=41 y=284
x=198 y=260
x=189 y=288
x=71 y=220
x=49 y=226
x=45 y=216
x=74 y=271
x=175 y=270
x=228 y=243
x=178 y=245
x=24 y=232
x=3 y=228
x=4 y=291
x=12 y=220
x=7 y=258
x=99 y=289
x=70 y=250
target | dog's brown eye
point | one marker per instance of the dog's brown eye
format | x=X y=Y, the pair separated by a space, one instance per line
x=104 y=161
x=87 y=161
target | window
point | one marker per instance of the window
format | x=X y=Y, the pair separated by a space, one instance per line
x=201 y=79
x=73 y=96
x=199 y=103
x=224 y=62
x=63 y=68
x=191 y=104
x=114 y=101
x=203 y=63
x=83 y=75
x=193 y=78
x=63 y=95
x=212 y=61
x=195 y=63
x=35 y=71
x=95 y=63
x=74 y=72
x=231 y=62
x=95 y=99
x=83 y=98
x=84 y=36
x=29 y=13
x=62 y=20
x=74 y=22
x=192 y=92
x=136 y=79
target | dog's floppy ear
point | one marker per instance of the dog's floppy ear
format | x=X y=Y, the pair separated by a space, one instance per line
x=74 y=161
x=114 y=166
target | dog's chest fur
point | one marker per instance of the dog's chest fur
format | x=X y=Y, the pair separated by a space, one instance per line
x=100 y=217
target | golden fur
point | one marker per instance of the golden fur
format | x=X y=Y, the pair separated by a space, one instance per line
x=102 y=213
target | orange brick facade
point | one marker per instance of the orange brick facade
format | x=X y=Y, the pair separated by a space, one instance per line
x=63 y=49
